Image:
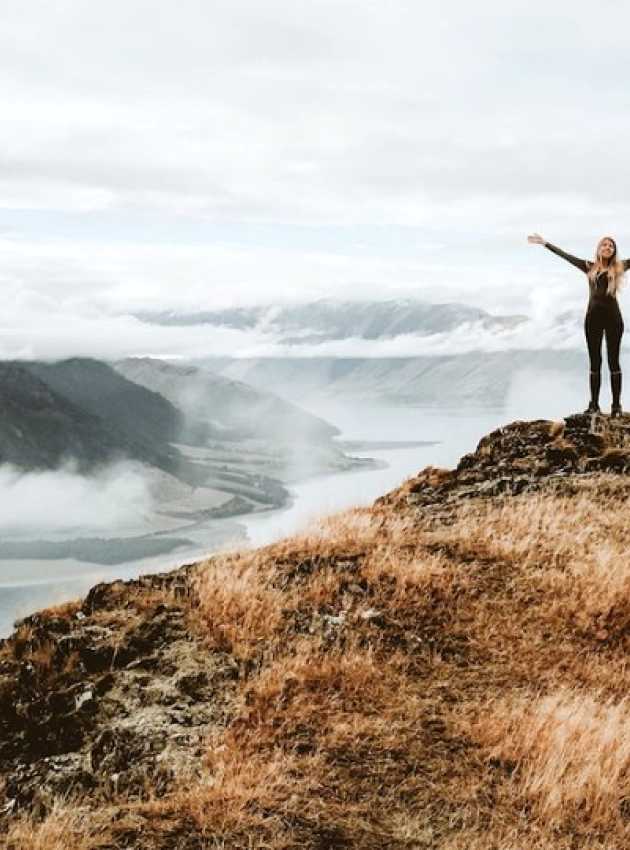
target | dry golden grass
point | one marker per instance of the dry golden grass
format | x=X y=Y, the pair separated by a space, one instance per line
x=381 y=709
x=63 y=609
x=237 y=608
x=527 y=837
x=244 y=599
x=311 y=735
x=574 y=550
x=66 y=827
x=571 y=751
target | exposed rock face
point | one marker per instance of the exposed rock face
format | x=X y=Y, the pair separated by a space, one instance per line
x=113 y=696
x=525 y=456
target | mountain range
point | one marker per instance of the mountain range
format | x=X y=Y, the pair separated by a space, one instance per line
x=328 y=319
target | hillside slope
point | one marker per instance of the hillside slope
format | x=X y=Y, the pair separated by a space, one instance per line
x=101 y=390
x=230 y=406
x=474 y=378
x=445 y=669
x=41 y=428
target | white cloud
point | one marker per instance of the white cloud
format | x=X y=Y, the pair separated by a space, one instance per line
x=159 y=155
x=116 y=498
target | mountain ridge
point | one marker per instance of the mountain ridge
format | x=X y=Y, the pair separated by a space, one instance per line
x=331 y=319
x=476 y=378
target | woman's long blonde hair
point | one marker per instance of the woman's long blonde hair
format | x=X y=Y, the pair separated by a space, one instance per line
x=614 y=268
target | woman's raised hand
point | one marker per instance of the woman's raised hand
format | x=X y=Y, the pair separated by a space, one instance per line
x=536 y=239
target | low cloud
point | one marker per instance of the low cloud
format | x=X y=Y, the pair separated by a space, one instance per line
x=114 y=499
x=469 y=336
x=62 y=299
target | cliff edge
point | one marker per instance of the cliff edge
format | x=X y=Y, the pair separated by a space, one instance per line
x=444 y=669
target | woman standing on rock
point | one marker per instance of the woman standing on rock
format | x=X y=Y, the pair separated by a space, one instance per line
x=603 y=316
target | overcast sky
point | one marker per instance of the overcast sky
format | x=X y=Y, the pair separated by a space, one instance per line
x=160 y=155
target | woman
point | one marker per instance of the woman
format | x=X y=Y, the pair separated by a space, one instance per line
x=603 y=316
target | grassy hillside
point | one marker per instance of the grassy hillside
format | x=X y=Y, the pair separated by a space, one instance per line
x=445 y=669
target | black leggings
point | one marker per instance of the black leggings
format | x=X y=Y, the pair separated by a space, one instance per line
x=596 y=324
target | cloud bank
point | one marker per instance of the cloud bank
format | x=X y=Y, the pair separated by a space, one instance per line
x=193 y=155
x=116 y=499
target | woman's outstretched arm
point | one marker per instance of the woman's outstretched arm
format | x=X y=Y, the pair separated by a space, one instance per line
x=536 y=239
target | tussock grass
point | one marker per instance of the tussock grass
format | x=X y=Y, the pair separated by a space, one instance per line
x=571 y=750
x=246 y=599
x=313 y=689
x=63 y=610
x=576 y=551
x=66 y=827
x=527 y=837
x=237 y=608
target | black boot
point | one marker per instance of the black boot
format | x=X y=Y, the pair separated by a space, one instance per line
x=615 y=386
x=595 y=380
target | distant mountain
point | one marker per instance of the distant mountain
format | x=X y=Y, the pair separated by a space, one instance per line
x=255 y=431
x=324 y=320
x=229 y=407
x=475 y=378
x=41 y=428
x=101 y=390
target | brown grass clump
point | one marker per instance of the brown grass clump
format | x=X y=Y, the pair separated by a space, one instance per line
x=575 y=550
x=310 y=690
x=237 y=609
x=571 y=752
x=247 y=802
x=66 y=827
x=355 y=529
x=245 y=598
x=63 y=609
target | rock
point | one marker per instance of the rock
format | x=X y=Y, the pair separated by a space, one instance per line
x=611 y=460
x=524 y=456
x=84 y=699
x=372 y=615
x=123 y=690
x=332 y=620
x=192 y=684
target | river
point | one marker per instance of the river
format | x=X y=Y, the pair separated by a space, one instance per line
x=26 y=586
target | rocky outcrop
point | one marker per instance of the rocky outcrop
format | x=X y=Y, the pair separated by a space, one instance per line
x=113 y=695
x=524 y=457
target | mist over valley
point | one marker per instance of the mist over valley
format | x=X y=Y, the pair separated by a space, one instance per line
x=119 y=467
